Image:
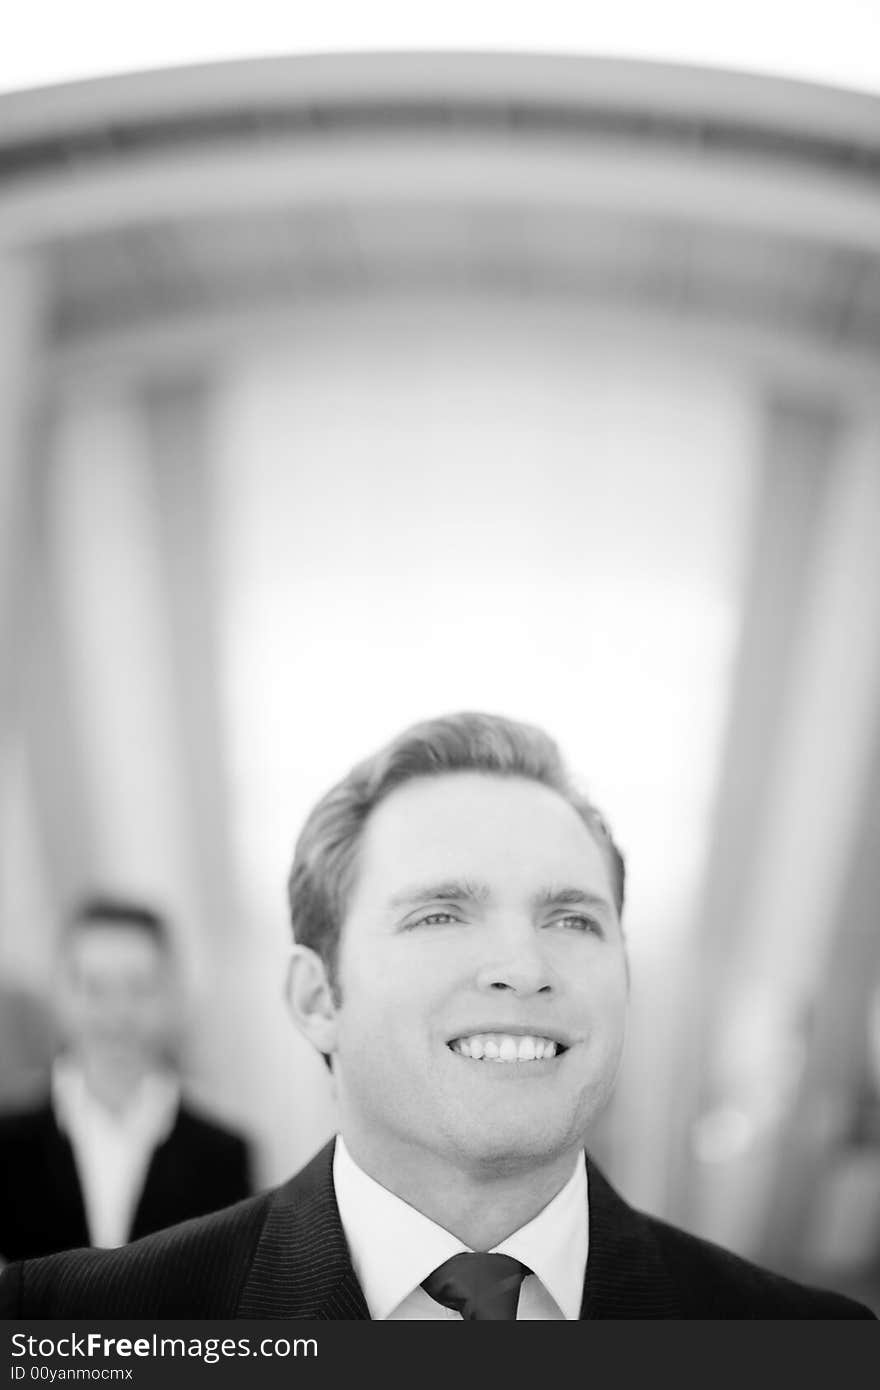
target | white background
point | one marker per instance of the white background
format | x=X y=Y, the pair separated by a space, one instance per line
x=49 y=41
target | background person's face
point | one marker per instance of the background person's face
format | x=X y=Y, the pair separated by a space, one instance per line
x=115 y=1005
x=464 y=921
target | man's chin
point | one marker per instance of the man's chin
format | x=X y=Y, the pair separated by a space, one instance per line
x=508 y=1150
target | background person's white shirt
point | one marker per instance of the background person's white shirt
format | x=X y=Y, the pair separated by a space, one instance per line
x=112 y=1151
x=393 y=1248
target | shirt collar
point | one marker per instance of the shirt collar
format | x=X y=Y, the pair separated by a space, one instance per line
x=554 y=1244
x=394 y=1247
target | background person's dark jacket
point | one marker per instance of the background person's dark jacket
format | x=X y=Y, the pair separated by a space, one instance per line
x=283 y=1255
x=199 y=1168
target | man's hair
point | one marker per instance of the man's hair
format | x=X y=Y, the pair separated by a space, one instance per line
x=105 y=911
x=326 y=851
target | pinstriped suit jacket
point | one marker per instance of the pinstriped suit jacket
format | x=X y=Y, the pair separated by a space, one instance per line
x=283 y=1255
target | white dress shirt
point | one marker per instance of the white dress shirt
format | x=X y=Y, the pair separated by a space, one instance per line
x=112 y=1151
x=393 y=1248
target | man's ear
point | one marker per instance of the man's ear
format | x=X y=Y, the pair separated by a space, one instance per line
x=310 y=999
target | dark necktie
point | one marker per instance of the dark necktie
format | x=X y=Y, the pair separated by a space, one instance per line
x=480 y=1287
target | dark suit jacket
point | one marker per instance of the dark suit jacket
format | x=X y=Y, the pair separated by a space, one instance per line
x=199 y=1168
x=283 y=1255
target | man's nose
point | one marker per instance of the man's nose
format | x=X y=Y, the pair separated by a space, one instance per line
x=517 y=961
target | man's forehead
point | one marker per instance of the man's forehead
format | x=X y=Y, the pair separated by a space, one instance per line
x=473 y=826
x=445 y=798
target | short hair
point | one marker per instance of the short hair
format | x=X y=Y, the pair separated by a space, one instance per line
x=324 y=859
x=105 y=911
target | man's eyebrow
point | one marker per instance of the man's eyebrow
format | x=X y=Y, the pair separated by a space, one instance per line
x=571 y=897
x=449 y=890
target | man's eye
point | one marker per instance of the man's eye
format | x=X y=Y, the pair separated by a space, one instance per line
x=576 y=921
x=433 y=919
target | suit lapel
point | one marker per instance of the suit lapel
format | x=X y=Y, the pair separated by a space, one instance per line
x=157 y=1203
x=301 y=1267
x=626 y=1275
x=63 y=1196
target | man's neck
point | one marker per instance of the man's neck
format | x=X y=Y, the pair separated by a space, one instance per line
x=480 y=1207
x=113 y=1086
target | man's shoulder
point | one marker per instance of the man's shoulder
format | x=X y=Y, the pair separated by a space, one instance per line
x=280 y=1253
x=25 y=1121
x=641 y=1266
x=27 y=1136
x=201 y=1127
x=713 y=1282
x=194 y=1269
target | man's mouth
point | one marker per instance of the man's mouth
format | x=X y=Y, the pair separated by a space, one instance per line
x=506 y=1047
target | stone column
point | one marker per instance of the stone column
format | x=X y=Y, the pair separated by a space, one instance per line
x=791 y=808
x=113 y=600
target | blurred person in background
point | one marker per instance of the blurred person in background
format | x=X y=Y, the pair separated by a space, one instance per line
x=113 y=1153
x=459 y=962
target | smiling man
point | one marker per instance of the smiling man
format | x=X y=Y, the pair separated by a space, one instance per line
x=460 y=963
x=474 y=1013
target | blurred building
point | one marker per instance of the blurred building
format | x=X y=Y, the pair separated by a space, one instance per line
x=337 y=393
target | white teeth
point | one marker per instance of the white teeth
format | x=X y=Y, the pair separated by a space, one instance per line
x=504 y=1047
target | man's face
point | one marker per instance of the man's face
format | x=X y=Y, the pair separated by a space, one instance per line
x=481 y=916
x=116 y=995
